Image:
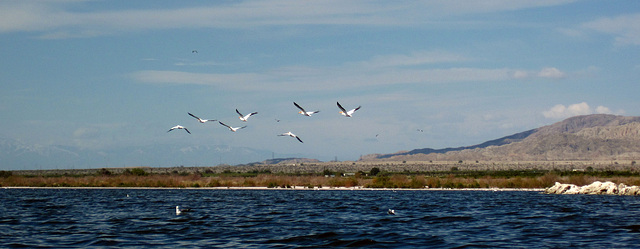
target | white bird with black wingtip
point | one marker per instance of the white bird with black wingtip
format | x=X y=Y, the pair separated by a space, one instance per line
x=201 y=120
x=245 y=117
x=233 y=129
x=303 y=112
x=291 y=135
x=346 y=113
x=180 y=127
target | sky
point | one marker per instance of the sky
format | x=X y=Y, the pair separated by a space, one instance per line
x=103 y=75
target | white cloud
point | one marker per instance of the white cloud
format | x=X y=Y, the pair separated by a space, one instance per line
x=561 y=111
x=520 y=74
x=551 y=72
x=547 y=72
x=625 y=28
x=603 y=110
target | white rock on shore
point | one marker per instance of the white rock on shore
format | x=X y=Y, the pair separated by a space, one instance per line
x=595 y=188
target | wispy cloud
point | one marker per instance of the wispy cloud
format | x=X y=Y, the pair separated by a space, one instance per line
x=59 y=19
x=422 y=67
x=323 y=78
x=625 y=28
x=240 y=80
x=547 y=72
x=551 y=72
x=413 y=59
x=199 y=63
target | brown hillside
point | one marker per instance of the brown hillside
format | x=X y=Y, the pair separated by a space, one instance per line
x=589 y=137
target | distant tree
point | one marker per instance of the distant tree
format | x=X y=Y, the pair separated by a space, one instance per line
x=374 y=171
x=5 y=174
x=327 y=172
x=104 y=172
x=138 y=172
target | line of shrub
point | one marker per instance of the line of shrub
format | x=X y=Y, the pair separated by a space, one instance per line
x=138 y=177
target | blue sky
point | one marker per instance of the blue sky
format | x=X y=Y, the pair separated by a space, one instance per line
x=99 y=75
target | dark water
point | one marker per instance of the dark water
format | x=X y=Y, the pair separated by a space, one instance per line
x=62 y=218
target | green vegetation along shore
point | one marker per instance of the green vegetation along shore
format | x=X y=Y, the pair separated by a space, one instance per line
x=373 y=178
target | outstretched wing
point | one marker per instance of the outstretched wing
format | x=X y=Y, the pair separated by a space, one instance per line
x=341 y=108
x=187 y=130
x=354 y=110
x=299 y=107
x=224 y=124
x=239 y=113
x=299 y=139
x=193 y=116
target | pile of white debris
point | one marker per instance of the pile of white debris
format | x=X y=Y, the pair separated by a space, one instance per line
x=595 y=188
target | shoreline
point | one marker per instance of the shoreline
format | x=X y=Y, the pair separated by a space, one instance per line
x=359 y=188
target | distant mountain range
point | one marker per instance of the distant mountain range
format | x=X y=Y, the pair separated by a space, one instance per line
x=588 y=137
x=15 y=155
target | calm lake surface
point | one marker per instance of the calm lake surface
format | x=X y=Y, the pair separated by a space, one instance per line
x=63 y=218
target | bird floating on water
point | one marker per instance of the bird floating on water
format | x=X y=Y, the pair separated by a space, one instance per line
x=303 y=112
x=179 y=211
x=179 y=127
x=245 y=117
x=291 y=135
x=346 y=113
x=391 y=211
x=233 y=129
x=201 y=120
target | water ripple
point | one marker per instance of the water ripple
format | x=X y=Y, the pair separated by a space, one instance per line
x=141 y=218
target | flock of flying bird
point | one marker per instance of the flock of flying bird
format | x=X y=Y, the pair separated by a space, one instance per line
x=244 y=118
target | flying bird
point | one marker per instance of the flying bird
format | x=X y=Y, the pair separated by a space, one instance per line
x=391 y=211
x=302 y=111
x=179 y=211
x=233 y=129
x=345 y=112
x=194 y=51
x=291 y=135
x=179 y=127
x=201 y=120
x=245 y=117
